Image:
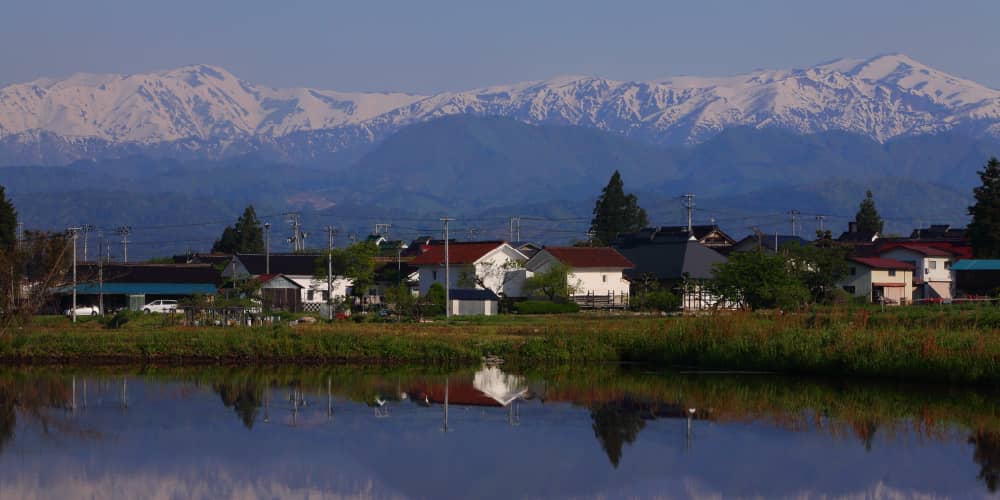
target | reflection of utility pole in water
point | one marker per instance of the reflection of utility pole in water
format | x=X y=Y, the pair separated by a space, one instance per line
x=688 y=437
x=329 y=398
x=84 y=394
x=124 y=393
x=72 y=404
x=295 y=406
x=267 y=404
x=445 y=429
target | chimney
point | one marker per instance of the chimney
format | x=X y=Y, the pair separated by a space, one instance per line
x=852 y=227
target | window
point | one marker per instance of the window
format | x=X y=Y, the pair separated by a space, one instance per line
x=310 y=294
x=604 y=278
x=892 y=272
x=434 y=275
x=947 y=264
x=932 y=264
x=326 y=295
x=854 y=270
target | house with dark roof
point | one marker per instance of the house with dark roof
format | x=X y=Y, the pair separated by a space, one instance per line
x=855 y=237
x=484 y=265
x=299 y=268
x=879 y=279
x=931 y=268
x=594 y=272
x=940 y=232
x=131 y=286
x=767 y=243
x=709 y=235
x=678 y=263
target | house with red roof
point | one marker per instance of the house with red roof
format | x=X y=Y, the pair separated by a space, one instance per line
x=593 y=271
x=932 y=276
x=473 y=265
x=879 y=279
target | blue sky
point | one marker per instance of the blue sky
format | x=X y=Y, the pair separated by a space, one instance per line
x=427 y=46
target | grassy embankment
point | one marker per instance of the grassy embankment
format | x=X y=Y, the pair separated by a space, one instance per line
x=944 y=344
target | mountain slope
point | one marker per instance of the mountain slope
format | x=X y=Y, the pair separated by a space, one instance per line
x=206 y=112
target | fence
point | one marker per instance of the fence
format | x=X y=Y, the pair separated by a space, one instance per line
x=610 y=300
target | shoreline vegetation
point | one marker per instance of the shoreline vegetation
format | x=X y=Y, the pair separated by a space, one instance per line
x=932 y=344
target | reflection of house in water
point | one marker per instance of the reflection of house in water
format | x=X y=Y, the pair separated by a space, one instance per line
x=489 y=387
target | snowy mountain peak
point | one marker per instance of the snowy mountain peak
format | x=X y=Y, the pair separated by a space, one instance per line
x=882 y=97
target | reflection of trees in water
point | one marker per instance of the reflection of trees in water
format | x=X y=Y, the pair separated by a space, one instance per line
x=987 y=456
x=243 y=399
x=616 y=423
x=8 y=418
x=865 y=430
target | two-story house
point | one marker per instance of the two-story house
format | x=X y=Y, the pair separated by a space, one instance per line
x=879 y=279
x=593 y=271
x=482 y=265
x=932 y=277
x=301 y=269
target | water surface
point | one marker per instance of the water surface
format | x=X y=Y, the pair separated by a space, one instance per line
x=608 y=432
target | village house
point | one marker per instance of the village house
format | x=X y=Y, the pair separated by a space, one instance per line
x=674 y=262
x=766 y=243
x=298 y=268
x=931 y=269
x=976 y=278
x=483 y=265
x=879 y=280
x=709 y=235
x=132 y=286
x=595 y=273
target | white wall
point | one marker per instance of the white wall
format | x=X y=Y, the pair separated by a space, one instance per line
x=591 y=280
x=498 y=269
x=318 y=286
x=927 y=268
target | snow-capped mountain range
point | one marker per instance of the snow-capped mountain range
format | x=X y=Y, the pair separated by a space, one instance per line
x=206 y=111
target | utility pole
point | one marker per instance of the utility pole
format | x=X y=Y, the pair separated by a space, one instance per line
x=73 y=231
x=510 y=229
x=297 y=238
x=20 y=232
x=590 y=237
x=447 y=270
x=383 y=230
x=330 y=232
x=267 y=248
x=472 y=232
x=689 y=205
x=795 y=221
x=100 y=272
x=124 y=231
x=86 y=228
x=819 y=221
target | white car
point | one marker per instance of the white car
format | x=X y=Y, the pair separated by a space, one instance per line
x=160 y=306
x=84 y=311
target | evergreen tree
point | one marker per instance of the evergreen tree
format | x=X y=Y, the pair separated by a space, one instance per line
x=867 y=217
x=615 y=212
x=984 y=230
x=246 y=236
x=8 y=221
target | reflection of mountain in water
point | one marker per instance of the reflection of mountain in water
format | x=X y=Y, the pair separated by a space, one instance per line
x=502 y=387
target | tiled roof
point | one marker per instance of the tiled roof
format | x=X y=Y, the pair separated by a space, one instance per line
x=882 y=263
x=927 y=250
x=458 y=253
x=580 y=257
x=288 y=264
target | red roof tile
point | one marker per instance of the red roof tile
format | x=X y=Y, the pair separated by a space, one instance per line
x=881 y=263
x=923 y=250
x=580 y=257
x=458 y=253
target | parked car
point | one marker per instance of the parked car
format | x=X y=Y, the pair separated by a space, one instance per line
x=84 y=311
x=160 y=306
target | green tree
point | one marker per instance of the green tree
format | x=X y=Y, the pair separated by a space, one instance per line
x=246 y=236
x=615 y=212
x=818 y=268
x=553 y=283
x=436 y=298
x=867 y=217
x=984 y=230
x=758 y=280
x=8 y=221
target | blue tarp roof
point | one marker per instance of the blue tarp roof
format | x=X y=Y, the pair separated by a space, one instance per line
x=141 y=289
x=977 y=265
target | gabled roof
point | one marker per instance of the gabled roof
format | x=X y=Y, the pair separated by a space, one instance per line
x=700 y=233
x=281 y=263
x=977 y=265
x=882 y=263
x=459 y=253
x=670 y=258
x=925 y=250
x=583 y=257
x=150 y=273
x=858 y=237
x=267 y=278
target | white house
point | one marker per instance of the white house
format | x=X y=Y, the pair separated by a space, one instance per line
x=593 y=271
x=298 y=268
x=932 y=269
x=484 y=265
x=878 y=279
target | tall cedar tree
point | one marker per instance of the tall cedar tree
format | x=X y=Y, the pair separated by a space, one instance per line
x=616 y=212
x=246 y=236
x=8 y=221
x=867 y=217
x=984 y=230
